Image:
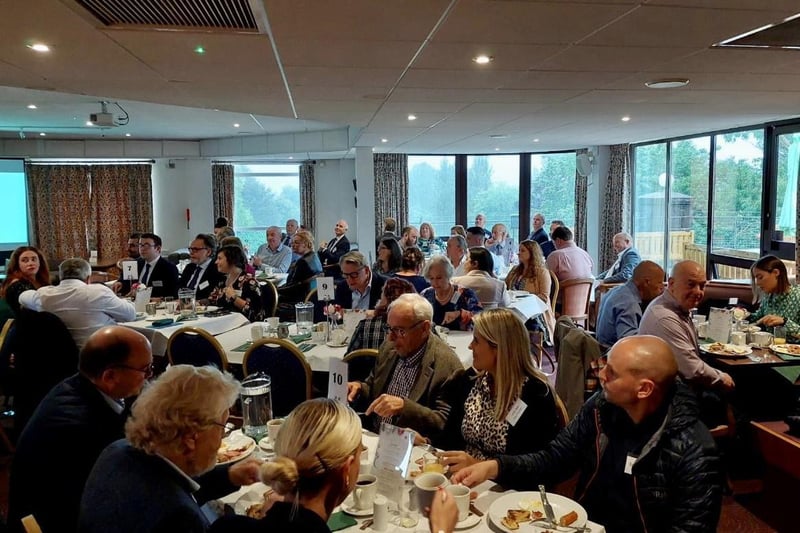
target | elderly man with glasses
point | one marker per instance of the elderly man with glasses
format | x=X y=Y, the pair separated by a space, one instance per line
x=412 y=375
x=361 y=288
x=86 y=412
x=201 y=274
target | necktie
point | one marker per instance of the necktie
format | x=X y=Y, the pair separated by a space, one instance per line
x=195 y=277
x=146 y=275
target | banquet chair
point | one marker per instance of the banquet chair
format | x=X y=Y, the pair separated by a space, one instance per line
x=575 y=294
x=269 y=295
x=360 y=363
x=282 y=361
x=311 y=296
x=554 y=288
x=196 y=347
x=30 y=524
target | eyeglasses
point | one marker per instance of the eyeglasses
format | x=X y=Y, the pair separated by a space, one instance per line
x=147 y=370
x=227 y=428
x=398 y=331
x=193 y=250
x=353 y=275
x=146 y=245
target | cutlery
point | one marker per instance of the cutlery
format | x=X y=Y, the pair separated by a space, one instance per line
x=548 y=509
x=368 y=522
x=474 y=510
x=571 y=529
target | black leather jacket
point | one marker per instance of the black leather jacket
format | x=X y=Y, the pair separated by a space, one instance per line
x=676 y=479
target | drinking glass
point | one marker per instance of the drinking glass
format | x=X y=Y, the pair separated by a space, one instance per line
x=779 y=335
x=304 y=312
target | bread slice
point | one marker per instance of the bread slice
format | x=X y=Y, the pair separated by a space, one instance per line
x=509 y=523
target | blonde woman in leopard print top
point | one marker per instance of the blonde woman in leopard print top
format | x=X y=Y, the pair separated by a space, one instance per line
x=487 y=418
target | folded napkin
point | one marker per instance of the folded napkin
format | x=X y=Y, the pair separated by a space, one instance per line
x=340 y=520
x=243 y=347
x=791 y=373
x=300 y=338
x=161 y=323
x=306 y=347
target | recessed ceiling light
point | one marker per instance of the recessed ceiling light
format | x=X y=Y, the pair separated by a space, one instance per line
x=412 y=117
x=626 y=118
x=536 y=140
x=483 y=59
x=384 y=140
x=127 y=135
x=39 y=47
x=31 y=106
x=89 y=123
x=42 y=134
x=291 y=157
x=199 y=50
x=497 y=149
x=236 y=125
x=667 y=83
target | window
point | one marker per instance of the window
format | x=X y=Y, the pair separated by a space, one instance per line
x=264 y=195
x=786 y=195
x=493 y=189
x=553 y=187
x=650 y=193
x=688 y=200
x=432 y=192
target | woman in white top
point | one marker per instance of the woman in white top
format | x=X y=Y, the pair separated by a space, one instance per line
x=490 y=290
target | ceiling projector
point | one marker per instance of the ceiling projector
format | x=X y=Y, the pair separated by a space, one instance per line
x=104 y=120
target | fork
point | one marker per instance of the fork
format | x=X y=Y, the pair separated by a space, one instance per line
x=575 y=529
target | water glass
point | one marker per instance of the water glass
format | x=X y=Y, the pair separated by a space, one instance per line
x=187 y=302
x=304 y=316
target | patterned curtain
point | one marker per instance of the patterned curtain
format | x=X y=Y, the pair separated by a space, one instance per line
x=308 y=215
x=121 y=203
x=60 y=215
x=391 y=189
x=222 y=191
x=615 y=214
x=581 y=187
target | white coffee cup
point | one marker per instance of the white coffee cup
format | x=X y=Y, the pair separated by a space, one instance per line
x=364 y=493
x=273 y=427
x=460 y=494
x=762 y=338
x=425 y=486
x=272 y=324
x=256 y=332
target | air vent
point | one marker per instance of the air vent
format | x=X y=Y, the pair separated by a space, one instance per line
x=783 y=35
x=233 y=15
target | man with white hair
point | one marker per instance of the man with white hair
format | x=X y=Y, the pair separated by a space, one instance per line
x=82 y=307
x=273 y=253
x=408 y=385
x=627 y=259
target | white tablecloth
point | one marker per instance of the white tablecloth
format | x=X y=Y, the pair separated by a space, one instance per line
x=319 y=357
x=214 y=325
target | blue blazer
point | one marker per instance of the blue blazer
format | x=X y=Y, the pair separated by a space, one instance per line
x=622 y=271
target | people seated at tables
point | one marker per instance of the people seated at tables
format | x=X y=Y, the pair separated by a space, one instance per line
x=389 y=231
x=237 y=291
x=219 y=224
x=409 y=237
x=409 y=385
x=427 y=238
x=411 y=265
x=475 y=237
x=644 y=460
x=621 y=307
x=361 y=288
x=371 y=332
x=458 y=229
x=549 y=247
x=627 y=259
x=223 y=232
x=389 y=257
x=453 y=305
x=331 y=251
x=480 y=278
x=318 y=455
x=232 y=240
x=480 y=221
x=201 y=273
x=82 y=307
x=779 y=300
x=502 y=245
x=86 y=412
x=302 y=270
x=568 y=261
x=27 y=270
x=154 y=271
x=531 y=275
x=457 y=252
x=157 y=478
x=483 y=421
x=273 y=253
x=132 y=249
x=667 y=317
x=292 y=226
x=538 y=234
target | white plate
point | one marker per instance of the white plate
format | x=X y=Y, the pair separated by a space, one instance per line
x=470 y=521
x=348 y=507
x=783 y=349
x=208 y=309
x=560 y=504
x=730 y=350
x=334 y=345
x=519 y=294
x=236 y=440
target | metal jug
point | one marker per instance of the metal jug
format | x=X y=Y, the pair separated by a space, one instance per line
x=256 y=396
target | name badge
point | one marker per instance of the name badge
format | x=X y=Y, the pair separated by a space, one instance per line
x=158 y=283
x=203 y=285
x=515 y=412
x=629 y=460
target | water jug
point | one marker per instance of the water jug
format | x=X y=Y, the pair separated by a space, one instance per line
x=256 y=396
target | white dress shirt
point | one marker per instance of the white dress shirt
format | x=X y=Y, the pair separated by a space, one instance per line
x=82 y=308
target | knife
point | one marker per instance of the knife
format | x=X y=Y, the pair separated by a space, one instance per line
x=548 y=509
x=474 y=510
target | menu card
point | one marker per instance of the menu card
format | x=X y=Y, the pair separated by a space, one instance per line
x=142 y=299
x=392 y=458
x=719 y=324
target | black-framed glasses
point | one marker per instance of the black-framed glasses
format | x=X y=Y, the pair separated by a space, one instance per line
x=145 y=245
x=400 y=332
x=193 y=250
x=353 y=275
x=146 y=370
x=227 y=429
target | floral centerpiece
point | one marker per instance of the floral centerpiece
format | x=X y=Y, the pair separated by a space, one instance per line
x=334 y=314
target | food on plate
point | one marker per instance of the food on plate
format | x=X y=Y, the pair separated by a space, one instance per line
x=791 y=349
x=259 y=510
x=568 y=518
x=727 y=349
x=518 y=515
x=509 y=523
x=228 y=453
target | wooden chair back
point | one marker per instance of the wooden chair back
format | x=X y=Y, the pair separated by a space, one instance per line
x=196 y=347
x=287 y=367
x=575 y=295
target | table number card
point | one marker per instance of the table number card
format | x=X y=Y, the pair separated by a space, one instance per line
x=325 y=289
x=130 y=270
x=337 y=381
x=391 y=460
x=719 y=324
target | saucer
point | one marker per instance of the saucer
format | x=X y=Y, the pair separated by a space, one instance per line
x=348 y=507
x=470 y=521
x=266 y=444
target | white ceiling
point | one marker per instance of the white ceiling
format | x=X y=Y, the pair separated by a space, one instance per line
x=564 y=72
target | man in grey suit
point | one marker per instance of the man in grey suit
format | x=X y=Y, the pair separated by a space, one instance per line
x=414 y=369
x=627 y=259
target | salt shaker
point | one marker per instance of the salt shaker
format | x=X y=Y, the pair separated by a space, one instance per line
x=380 y=513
